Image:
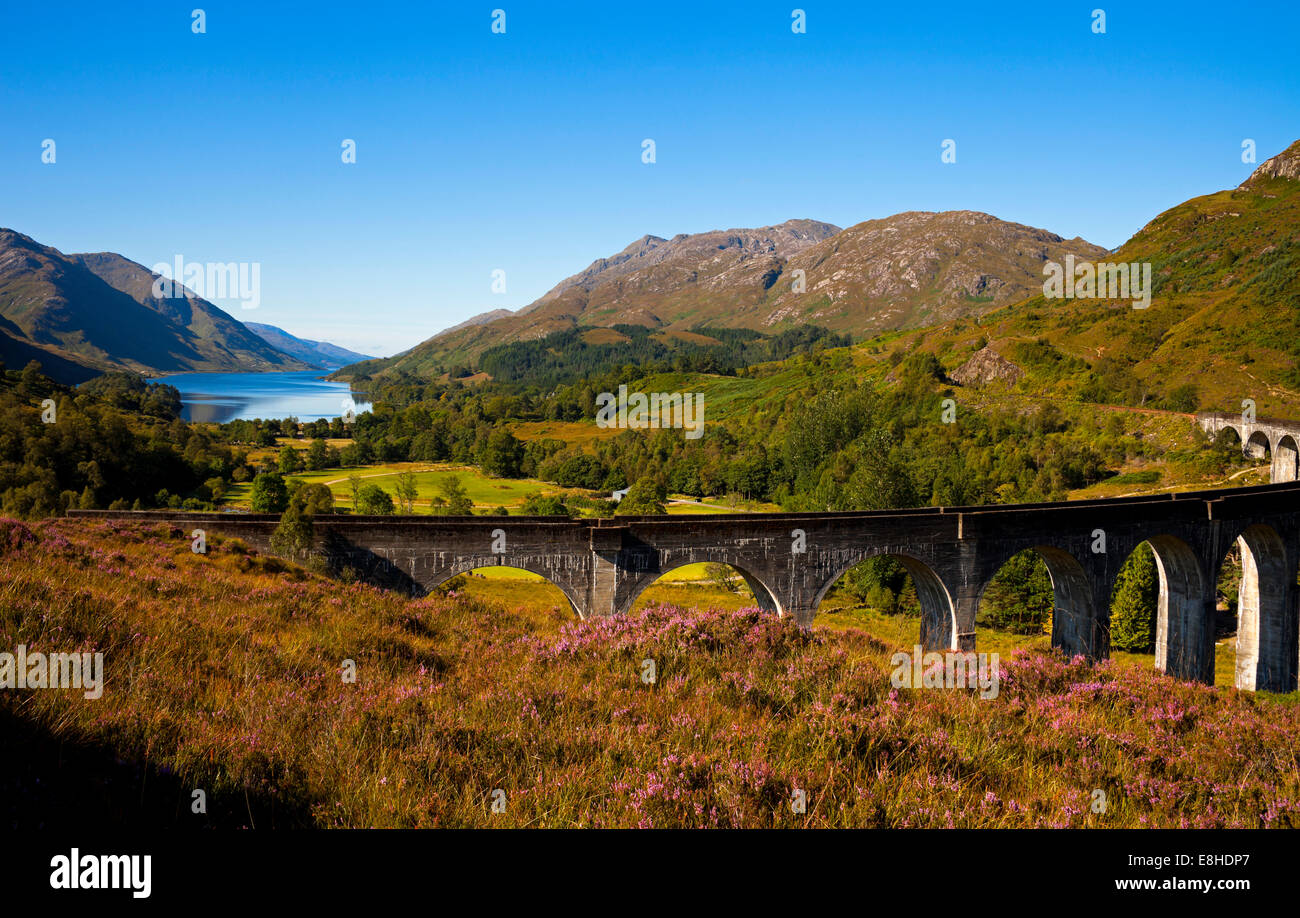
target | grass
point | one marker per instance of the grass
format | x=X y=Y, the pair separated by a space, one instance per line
x=485 y=491
x=224 y=672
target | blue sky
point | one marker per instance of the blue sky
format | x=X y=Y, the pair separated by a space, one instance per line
x=522 y=151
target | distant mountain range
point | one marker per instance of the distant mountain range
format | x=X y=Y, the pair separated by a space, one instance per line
x=80 y=315
x=904 y=271
x=1225 y=313
x=317 y=353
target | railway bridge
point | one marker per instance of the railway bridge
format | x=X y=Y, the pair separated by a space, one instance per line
x=1261 y=438
x=791 y=560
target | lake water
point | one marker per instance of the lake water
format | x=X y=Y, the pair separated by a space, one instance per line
x=222 y=397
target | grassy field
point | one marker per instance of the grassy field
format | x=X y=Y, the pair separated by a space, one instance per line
x=486 y=492
x=227 y=672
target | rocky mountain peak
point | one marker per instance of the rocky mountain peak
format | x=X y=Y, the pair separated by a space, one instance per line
x=1286 y=165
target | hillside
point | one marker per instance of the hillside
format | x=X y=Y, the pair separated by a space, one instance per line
x=1224 y=317
x=97 y=312
x=914 y=269
x=223 y=671
x=317 y=353
x=903 y=271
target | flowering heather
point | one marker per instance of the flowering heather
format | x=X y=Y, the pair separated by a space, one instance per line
x=223 y=672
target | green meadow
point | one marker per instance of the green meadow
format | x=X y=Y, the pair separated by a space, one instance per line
x=486 y=492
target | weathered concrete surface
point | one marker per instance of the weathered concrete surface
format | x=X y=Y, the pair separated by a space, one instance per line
x=791 y=560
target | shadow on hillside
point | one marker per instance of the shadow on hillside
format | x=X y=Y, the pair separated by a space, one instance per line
x=47 y=783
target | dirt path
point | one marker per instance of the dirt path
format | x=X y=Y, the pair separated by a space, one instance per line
x=334 y=481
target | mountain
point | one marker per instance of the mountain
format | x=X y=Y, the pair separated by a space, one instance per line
x=480 y=319
x=919 y=268
x=1224 y=315
x=701 y=273
x=84 y=314
x=222 y=340
x=317 y=353
x=903 y=271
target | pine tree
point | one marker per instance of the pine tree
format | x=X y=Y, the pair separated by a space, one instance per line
x=1133 y=603
x=293 y=536
x=1020 y=598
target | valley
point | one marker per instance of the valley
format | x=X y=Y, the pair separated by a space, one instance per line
x=963 y=387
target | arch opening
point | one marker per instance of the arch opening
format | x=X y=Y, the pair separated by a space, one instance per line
x=898 y=596
x=1229 y=437
x=705 y=584
x=1042 y=590
x=1258 y=447
x=1232 y=643
x=515 y=587
x=1158 y=606
x=1135 y=605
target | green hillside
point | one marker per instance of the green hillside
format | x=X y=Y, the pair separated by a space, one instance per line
x=1224 y=316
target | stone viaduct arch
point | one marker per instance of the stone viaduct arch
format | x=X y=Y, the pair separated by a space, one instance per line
x=630 y=590
x=1074 y=605
x=1265 y=624
x=938 y=611
x=1262 y=437
x=464 y=567
x=790 y=560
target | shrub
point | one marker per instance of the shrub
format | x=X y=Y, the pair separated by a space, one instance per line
x=373 y=500
x=270 y=495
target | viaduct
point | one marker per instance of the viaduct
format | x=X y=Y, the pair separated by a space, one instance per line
x=1261 y=438
x=790 y=561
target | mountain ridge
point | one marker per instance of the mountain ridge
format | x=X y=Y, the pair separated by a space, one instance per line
x=900 y=271
x=321 y=354
x=90 y=313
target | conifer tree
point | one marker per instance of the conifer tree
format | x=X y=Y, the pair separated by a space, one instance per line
x=1133 y=603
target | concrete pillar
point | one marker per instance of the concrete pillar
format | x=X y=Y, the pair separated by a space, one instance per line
x=1248 y=610
x=959 y=634
x=1185 y=615
x=602 y=585
x=766 y=601
x=1266 y=623
x=945 y=622
x=801 y=609
x=1286 y=460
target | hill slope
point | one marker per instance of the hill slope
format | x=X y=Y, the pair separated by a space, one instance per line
x=1225 y=312
x=98 y=312
x=455 y=698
